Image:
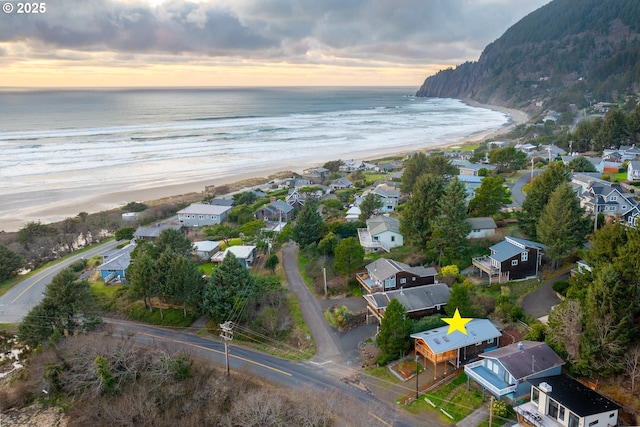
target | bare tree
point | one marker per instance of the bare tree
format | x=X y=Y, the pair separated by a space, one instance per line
x=565 y=327
x=631 y=365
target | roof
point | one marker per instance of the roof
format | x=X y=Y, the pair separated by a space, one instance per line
x=477 y=166
x=206 y=245
x=155 y=230
x=118 y=259
x=381 y=223
x=534 y=357
x=342 y=181
x=383 y=268
x=482 y=223
x=509 y=248
x=413 y=299
x=222 y=201
x=575 y=396
x=240 y=252
x=282 y=206
x=439 y=341
x=204 y=209
x=385 y=190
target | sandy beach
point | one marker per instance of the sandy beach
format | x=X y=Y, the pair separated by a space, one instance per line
x=53 y=206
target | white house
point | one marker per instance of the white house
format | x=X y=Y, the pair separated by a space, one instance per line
x=633 y=171
x=200 y=214
x=206 y=248
x=561 y=401
x=389 y=196
x=246 y=254
x=481 y=227
x=382 y=232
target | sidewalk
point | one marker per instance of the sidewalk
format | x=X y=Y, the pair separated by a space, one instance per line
x=476 y=417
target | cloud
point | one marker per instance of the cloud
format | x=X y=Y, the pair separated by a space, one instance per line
x=391 y=31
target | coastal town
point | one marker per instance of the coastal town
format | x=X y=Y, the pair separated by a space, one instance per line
x=384 y=251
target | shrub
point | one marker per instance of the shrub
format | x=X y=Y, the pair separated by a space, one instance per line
x=561 y=287
x=384 y=358
x=516 y=313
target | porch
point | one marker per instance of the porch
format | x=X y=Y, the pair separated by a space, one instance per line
x=436 y=359
x=484 y=265
x=496 y=386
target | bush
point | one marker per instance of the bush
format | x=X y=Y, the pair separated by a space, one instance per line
x=516 y=313
x=78 y=266
x=134 y=207
x=561 y=287
x=384 y=358
x=125 y=233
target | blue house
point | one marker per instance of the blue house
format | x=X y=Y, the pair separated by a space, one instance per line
x=115 y=263
x=504 y=372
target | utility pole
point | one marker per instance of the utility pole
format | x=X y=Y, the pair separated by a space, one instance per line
x=227 y=335
x=417 y=372
x=324 y=275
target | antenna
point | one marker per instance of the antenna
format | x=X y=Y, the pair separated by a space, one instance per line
x=533 y=361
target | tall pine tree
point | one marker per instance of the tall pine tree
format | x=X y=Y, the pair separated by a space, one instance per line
x=450 y=226
x=563 y=226
x=393 y=337
x=489 y=198
x=421 y=208
x=309 y=226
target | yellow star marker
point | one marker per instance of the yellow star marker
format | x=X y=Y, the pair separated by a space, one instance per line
x=456 y=323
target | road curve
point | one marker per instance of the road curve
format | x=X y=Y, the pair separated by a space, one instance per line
x=20 y=299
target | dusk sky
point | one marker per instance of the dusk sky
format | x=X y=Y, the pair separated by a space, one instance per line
x=107 y=43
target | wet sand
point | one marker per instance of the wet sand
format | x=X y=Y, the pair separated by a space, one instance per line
x=51 y=206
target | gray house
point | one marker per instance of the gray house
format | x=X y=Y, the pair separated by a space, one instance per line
x=511 y=259
x=504 y=372
x=419 y=301
x=200 y=214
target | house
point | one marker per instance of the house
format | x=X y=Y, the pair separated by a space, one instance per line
x=221 y=201
x=295 y=198
x=353 y=214
x=205 y=249
x=564 y=402
x=200 y=214
x=151 y=233
x=633 y=171
x=391 y=166
x=317 y=175
x=481 y=227
x=341 y=184
x=115 y=263
x=473 y=169
x=503 y=372
x=439 y=347
x=609 y=200
x=471 y=184
x=246 y=254
x=297 y=182
x=382 y=232
x=349 y=166
x=389 y=196
x=277 y=210
x=386 y=275
x=511 y=259
x=419 y=302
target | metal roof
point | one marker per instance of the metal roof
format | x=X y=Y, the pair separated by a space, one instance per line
x=525 y=358
x=413 y=299
x=204 y=209
x=439 y=341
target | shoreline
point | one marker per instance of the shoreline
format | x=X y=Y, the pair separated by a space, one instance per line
x=68 y=203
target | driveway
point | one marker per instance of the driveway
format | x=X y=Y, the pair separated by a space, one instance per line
x=516 y=188
x=539 y=303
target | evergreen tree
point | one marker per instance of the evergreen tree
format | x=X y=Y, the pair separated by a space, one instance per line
x=538 y=195
x=563 y=226
x=229 y=287
x=184 y=282
x=58 y=313
x=309 y=226
x=349 y=256
x=393 y=337
x=450 y=226
x=489 y=198
x=421 y=208
x=413 y=168
x=459 y=299
x=369 y=206
x=440 y=165
x=606 y=244
x=507 y=159
x=272 y=262
x=174 y=240
x=140 y=276
x=581 y=164
x=10 y=263
x=328 y=244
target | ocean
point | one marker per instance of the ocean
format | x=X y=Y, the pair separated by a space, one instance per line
x=57 y=144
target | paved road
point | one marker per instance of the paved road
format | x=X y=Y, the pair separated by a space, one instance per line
x=516 y=189
x=539 y=303
x=327 y=340
x=20 y=299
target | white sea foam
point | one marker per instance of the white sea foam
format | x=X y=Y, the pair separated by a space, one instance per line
x=126 y=155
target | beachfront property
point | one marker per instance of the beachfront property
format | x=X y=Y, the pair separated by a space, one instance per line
x=115 y=263
x=511 y=259
x=316 y=175
x=503 y=372
x=245 y=254
x=561 y=401
x=384 y=275
x=201 y=214
x=453 y=350
x=419 y=302
x=382 y=233
x=481 y=227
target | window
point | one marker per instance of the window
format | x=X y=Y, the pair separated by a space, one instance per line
x=593 y=423
x=514 y=262
x=524 y=256
x=624 y=207
x=393 y=238
x=495 y=368
x=573 y=420
x=413 y=279
x=403 y=280
x=200 y=216
x=613 y=198
x=490 y=341
x=553 y=409
x=561 y=414
x=535 y=395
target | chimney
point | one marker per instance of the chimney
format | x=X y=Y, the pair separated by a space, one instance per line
x=272 y=199
x=545 y=387
x=520 y=346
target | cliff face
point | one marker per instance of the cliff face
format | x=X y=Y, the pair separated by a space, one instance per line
x=567 y=52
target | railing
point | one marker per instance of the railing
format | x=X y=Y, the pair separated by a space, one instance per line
x=529 y=418
x=469 y=370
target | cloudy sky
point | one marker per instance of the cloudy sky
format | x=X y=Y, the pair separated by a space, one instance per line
x=247 y=42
